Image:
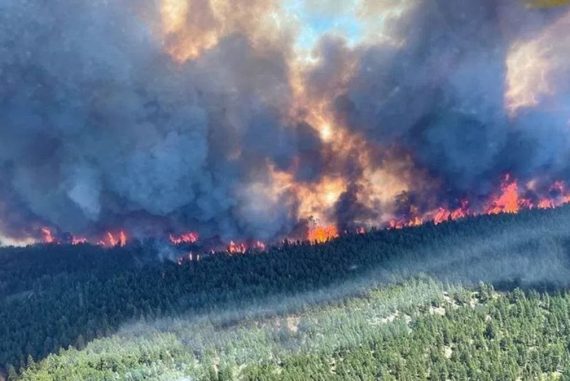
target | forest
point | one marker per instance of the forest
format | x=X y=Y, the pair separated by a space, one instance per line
x=480 y=298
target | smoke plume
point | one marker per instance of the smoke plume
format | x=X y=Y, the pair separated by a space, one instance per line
x=245 y=119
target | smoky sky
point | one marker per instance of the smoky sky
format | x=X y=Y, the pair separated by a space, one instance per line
x=441 y=93
x=100 y=127
x=98 y=124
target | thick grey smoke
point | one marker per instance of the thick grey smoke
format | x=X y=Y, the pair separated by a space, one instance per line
x=101 y=128
x=438 y=90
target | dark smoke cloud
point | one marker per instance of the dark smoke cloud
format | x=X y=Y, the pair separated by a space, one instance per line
x=101 y=128
x=439 y=92
x=99 y=125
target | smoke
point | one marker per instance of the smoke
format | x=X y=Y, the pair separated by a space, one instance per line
x=99 y=125
x=441 y=93
x=161 y=116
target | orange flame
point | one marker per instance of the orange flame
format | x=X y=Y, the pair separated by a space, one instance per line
x=236 y=248
x=47 y=235
x=185 y=238
x=508 y=200
x=322 y=234
x=512 y=197
x=114 y=240
x=242 y=248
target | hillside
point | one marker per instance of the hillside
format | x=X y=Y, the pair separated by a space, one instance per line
x=418 y=330
x=355 y=304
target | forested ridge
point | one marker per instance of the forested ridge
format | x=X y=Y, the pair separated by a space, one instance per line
x=59 y=297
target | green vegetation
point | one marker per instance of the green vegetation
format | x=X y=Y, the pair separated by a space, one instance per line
x=419 y=330
x=355 y=308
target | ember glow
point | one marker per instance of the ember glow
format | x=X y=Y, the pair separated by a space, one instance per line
x=242 y=122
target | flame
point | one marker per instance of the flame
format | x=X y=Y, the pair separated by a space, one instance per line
x=109 y=240
x=461 y=212
x=376 y=187
x=184 y=238
x=190 y=28
x=114 y=239
x=47 y=235
x=259 y=245
x=441 y=216
x=242 y=248
x=322 y=234
x=79 y=240
x=511 y=197
x=315 y=200
x=236 y=248
x=508 y=200
x=546 y=204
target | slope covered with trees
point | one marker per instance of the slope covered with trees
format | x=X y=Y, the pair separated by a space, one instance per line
x=54 y=297
x=419 y=330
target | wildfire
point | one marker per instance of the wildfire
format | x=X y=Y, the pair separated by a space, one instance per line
x=441 y=216
x=242 y=248
x=114 y=239
x=461 y=212
x=79 y=240
x=322 y=234
x=185 y=238
x=511 y=198
x=546 y=204
x=236 y=248
x=47 y=235
x=258 y=245
x=508 y=200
